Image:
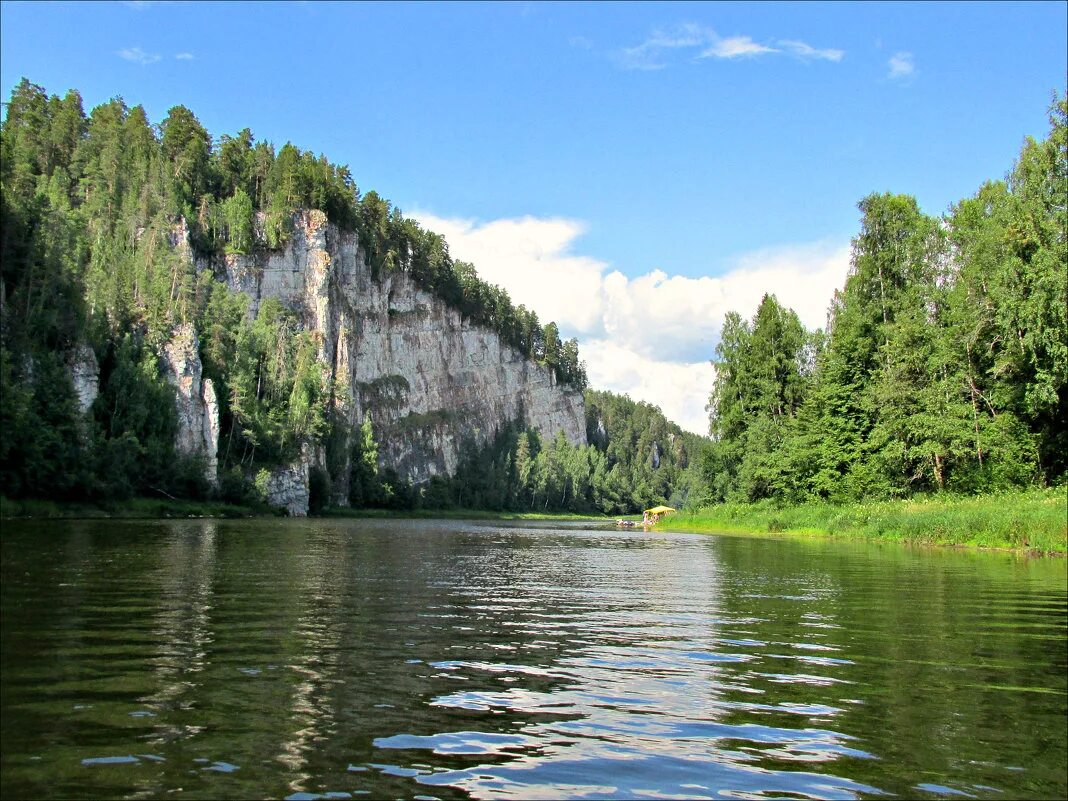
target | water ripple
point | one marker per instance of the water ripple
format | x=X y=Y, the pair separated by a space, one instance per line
x=444 y=660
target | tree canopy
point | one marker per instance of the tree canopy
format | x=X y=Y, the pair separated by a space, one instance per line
x=944 y=364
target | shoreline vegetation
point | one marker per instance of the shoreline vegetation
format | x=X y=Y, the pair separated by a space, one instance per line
x=1034 y=521
x=164 y=508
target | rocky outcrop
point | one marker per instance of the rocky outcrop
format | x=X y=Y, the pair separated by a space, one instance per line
x=287 y=487
x=429 y=379
x=195 y=400
x=85 y=375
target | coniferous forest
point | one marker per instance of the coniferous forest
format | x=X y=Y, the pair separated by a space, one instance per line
x=90 y=207
x=942 y=366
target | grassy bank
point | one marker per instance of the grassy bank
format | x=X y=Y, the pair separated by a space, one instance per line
x=131 y=508
x=1032 y=520
x=154 y=508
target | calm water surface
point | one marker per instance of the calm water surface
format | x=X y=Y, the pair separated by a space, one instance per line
x=439 y=659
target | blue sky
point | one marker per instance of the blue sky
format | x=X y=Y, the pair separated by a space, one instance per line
x=673 y=159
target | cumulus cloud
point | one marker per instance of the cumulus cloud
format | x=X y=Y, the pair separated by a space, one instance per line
x=901 y=64
x=631 y=327
x=680 y=389
x=531 y=258
x=138 y=56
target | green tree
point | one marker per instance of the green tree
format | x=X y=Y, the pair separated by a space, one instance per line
x=238 y=214
x=187 y=151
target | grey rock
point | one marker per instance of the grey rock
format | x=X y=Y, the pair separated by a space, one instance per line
x=85 y=374
x=287 y=487
x=195 y=400
x=429 y=379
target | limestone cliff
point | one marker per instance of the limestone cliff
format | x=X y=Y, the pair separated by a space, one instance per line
x=195 y=402
x=428 y=379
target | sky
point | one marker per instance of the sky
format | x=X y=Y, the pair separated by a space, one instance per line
x=633 y=170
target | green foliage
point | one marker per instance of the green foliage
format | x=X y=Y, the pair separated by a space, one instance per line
x=278 y=389
x=92 y=211
x=136 y=420
x=43 y=447
x=366 y=487
x=237 y=214
x=944 y=366
x=760 y=383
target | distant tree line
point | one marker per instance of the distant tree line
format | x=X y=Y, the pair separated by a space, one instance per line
x=944 y=362
x=635 y=459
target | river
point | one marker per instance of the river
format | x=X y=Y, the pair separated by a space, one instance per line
x=445 y=659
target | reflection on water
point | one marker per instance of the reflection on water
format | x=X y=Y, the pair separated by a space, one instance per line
x=401 y=659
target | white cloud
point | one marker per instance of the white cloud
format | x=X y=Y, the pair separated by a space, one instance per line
x=627 y=326
x=901 y=64
x=805 y=51
x=138 y=56
x=530 y=257
x=651 y=54
x=184 y=56
x=655 y=53
x=736 y=47
x=680 y=389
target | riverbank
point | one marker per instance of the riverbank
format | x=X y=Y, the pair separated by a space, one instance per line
x=131 y=508
x=157 y=508
x=1027 y=521
x=458 y=514
x=1030 y=520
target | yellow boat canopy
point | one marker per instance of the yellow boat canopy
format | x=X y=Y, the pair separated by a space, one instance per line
x=659 y=510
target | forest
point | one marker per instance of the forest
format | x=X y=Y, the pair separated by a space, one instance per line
x=942 y=367
x=89 y=210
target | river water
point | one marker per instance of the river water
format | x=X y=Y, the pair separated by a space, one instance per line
x=443 y=659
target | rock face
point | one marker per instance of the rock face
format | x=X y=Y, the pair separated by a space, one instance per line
x=429 y=379
x=287 y=488
x=85 y=374
x=197 y=406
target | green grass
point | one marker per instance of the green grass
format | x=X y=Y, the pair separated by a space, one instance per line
x=1031 y=520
